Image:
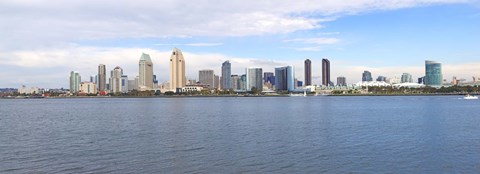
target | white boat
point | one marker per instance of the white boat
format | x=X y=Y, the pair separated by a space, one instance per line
x=470 y=97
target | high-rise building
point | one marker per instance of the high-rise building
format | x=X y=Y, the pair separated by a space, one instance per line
x=177 y=70
x=74 y=82
x=155 y=81
x=254 y=79
x=207 y=77
x=102 y=78
x=284 y=78
x=132 y=85
x=145 y=73
x=341 y=81
x=243 y=82
x=299 y=83
x=226 y=75
x=421 y=80
x=308 y=72
x=124 y=84
x=433 y=73
x=407 y=78
x=367 y=76
x=269 y=77
x=325 y=72
x=235 y=82
x=93 y=79
x=381 y=79
x=116 y=80
x=216 y=82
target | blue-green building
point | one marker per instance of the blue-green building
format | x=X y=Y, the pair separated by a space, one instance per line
x=433 y=73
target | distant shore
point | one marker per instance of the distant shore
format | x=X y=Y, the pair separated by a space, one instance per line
x=235 y=96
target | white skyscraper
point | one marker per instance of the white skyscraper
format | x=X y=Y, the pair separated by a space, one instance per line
x=145 y=73
x=116 y=80
x=177 y=70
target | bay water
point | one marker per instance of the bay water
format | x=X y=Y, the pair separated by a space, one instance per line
x=389 y=134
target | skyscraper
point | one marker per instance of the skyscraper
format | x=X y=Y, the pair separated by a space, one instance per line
x=116 y=80
x=381 y=79
x=216 y=82
x=235 y=82
x=367 y=76
x=433 y=73
x=124 y=83
x=243 y=82
x=407 y=78
x=93 y=79
x=269 y=77
x=226 y=75
x=421 y=80
x=254 y=79
x=102 y=78
x=207 y=77
x=177 y=70
x=308 y=72
x=145 y=72
x=284 y=78
x=74 y=82
x=341 y=81
x=325 y=72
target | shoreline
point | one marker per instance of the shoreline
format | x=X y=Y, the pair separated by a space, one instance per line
x=235 y=96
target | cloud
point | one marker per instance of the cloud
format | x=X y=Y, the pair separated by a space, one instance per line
x=191 y=44
x=318 y=40
x=27 y=24
x=314 y=48
x=312 y=44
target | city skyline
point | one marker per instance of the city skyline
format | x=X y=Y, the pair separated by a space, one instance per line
x=387 y=38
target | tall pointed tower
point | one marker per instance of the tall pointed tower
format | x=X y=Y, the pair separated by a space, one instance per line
x=177 y=70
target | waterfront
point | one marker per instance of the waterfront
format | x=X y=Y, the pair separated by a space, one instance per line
x=394 y=134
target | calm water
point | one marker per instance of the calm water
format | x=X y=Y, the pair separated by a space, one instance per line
x=241 y=135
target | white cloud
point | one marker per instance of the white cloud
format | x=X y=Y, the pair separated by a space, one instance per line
x=318 y=41
x=203 y=44
x=313 y=44
x=27 y=24
x=190 y=44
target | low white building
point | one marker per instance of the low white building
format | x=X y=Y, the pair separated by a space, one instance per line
x=190 y=89
x=25 y=90
x=88 y=88
x=372 y=83
x=408 y=85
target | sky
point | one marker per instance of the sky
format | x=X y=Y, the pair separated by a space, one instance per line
x=42 y=41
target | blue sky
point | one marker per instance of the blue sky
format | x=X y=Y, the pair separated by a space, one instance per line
x=44 y=40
